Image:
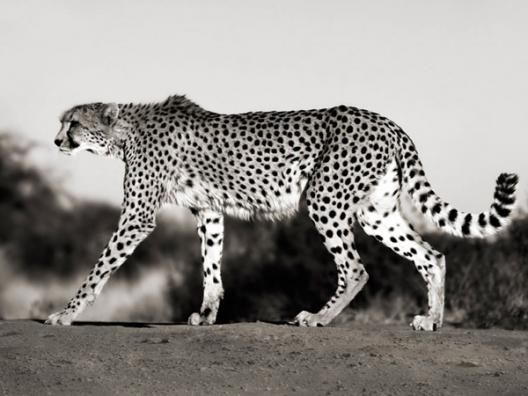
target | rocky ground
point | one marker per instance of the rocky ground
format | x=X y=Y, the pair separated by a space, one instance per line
x=259 y=358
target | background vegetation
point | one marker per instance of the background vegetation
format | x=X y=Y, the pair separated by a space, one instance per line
x=49 y=241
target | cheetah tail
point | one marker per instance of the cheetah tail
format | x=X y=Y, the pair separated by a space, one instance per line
x=445 y=216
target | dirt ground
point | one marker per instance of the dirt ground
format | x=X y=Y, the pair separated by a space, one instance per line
x=259 y=358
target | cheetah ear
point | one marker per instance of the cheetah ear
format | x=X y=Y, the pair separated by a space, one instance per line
x=110 y=114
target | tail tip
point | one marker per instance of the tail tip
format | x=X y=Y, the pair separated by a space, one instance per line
x=505 y=193
x=508 y=179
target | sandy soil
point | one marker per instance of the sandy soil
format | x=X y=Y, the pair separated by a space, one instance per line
x=259 y=358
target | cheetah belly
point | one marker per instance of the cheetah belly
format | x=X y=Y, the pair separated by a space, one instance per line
x=283 y=203
x=272 y=208
x=195 y=196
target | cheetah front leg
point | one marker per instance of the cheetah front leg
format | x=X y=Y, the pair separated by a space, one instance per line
x=211 y=232
x=130 y=232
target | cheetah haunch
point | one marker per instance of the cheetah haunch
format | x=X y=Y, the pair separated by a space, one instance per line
x=353 y=165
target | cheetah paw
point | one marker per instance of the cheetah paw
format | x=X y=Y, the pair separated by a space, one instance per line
x=426 y=323
x=308 y=319
x=61 y=318
x=196 y=319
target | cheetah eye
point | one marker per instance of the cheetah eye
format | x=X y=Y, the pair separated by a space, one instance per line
x=74 y=124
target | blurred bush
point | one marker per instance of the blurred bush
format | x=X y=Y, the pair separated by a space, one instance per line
x=271 y=271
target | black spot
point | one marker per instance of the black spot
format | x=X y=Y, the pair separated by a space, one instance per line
x=336 y=249
x=467 y=224
x=501 y=211
x=504 y=199
x=423 y=197
x=494 y=221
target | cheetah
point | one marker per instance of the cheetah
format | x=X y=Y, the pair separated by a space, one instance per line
x=352 y=166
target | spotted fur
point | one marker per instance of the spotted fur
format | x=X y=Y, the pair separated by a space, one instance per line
x=352 y=165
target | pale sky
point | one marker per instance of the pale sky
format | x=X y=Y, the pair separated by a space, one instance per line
x=453 y=74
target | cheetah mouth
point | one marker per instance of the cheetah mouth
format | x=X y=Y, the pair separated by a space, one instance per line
x=65 y=150
x=69 y=146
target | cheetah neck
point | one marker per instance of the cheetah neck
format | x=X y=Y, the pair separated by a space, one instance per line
x=139 y=119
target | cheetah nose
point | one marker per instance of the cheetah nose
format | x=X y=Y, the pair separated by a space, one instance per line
x=57 y=142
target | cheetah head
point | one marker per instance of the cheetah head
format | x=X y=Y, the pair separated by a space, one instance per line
x=92 y=127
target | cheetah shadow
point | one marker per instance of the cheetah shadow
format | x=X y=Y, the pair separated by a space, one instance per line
x=150 y=325
x=116 y=324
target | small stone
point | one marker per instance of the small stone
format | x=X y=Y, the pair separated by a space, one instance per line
x=468 y=363
x=155 y=340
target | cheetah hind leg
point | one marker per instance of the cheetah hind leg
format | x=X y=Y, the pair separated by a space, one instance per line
x=394 y=231
x=350 y=271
